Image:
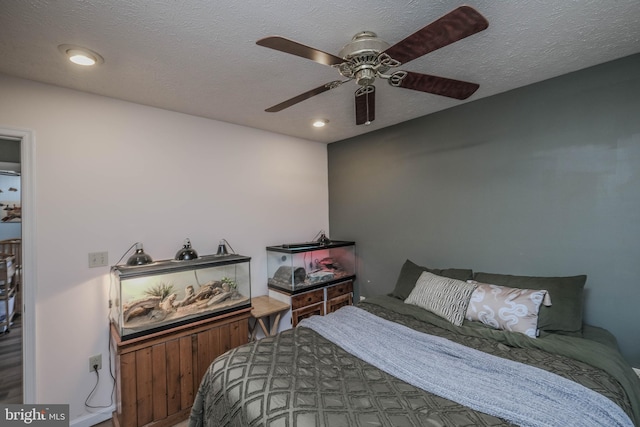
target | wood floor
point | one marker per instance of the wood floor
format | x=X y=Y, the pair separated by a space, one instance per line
x=11 y=363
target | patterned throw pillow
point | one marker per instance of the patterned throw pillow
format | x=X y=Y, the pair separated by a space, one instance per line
x=447 y=298
x=510 y=309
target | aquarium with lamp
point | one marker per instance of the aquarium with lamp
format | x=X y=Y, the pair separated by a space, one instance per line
x=147 y=296
x=293 y=267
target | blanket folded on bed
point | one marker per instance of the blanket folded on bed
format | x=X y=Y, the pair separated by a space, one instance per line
x=516 y=392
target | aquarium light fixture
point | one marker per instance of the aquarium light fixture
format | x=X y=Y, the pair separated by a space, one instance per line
x=139 y=257
x=322 y=238
x=222 y=248
x=187 y=252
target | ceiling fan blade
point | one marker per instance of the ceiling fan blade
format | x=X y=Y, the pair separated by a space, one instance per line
x=306 y=95
x=365 y=105
x=433 y=84
x=295 y=48
x=456 y=25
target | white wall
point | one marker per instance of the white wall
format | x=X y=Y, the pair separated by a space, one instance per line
x=110 y=173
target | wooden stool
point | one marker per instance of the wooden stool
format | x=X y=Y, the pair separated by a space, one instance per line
x=263 y=308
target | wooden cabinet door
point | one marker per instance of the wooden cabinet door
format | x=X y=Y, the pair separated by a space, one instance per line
x=308 y=311
x=157 y=377
x=335 y=303
x=339 y=295
x=340 y=289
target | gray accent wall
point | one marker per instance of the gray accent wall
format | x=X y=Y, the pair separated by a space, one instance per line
x=542 y=180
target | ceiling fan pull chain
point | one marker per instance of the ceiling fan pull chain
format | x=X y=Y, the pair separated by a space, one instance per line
x=368 y=122
x=365 y=105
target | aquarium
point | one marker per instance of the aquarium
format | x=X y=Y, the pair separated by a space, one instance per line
x=165 y=294
x=297 y=266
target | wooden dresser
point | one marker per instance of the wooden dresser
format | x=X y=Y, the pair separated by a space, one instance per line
x=319 y=301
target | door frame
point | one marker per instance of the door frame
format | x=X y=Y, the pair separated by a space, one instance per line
x=29 y=280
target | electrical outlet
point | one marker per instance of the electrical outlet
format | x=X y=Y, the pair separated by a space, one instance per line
x=95 y=361
x=98 y=259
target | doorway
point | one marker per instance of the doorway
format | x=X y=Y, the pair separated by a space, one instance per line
x=16 y=152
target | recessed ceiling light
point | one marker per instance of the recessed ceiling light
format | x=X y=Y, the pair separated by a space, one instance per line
x=320 y=123
x=81 y=58
x=80 y=55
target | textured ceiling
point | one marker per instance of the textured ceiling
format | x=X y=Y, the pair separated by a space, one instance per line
x=199 y=57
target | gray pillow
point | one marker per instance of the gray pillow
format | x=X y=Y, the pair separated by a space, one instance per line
x=565 y=313
x=447 y=298
x=410 y=273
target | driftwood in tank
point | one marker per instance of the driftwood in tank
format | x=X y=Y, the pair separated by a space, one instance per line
x=204 y=293
x=219 y=298
x=139 y=307
x=208 y=290
x=189 y=293
x=156 y=309
x=157 y=315
x=167 y=303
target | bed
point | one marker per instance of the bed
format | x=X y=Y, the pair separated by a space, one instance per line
x=391 y=362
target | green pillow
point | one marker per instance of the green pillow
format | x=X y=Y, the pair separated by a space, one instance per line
x=410 y=273
x=565 y=313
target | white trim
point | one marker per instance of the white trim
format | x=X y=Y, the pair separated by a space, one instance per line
x=29 y=279
x=93 y=419
x=637 y=371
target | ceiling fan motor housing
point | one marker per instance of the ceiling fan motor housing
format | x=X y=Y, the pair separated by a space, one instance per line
x=361 y=57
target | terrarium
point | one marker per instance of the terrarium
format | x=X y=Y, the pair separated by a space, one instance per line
x=296 y=266
x=165 y=294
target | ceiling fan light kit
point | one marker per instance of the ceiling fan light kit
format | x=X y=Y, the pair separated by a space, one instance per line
x=367 y=57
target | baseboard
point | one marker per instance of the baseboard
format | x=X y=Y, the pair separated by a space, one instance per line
x=90 y=420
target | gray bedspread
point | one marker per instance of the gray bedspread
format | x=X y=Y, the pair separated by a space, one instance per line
x=298 y=378
x=490 y=384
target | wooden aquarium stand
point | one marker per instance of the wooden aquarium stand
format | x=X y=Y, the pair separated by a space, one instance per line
x=158 y=375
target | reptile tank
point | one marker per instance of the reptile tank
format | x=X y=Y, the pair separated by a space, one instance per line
x=165 y=294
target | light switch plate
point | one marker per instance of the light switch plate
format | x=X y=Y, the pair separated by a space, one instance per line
x=98 y=259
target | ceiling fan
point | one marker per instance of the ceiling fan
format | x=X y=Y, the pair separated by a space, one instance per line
x=367 y=57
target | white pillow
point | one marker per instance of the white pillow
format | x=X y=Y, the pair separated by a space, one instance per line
x=447 y=298
x=510 y=309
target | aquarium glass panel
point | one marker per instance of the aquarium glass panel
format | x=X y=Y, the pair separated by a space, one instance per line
x=170 y=293
x=303 y=267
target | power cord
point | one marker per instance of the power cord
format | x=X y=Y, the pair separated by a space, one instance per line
x=127 y=251
x=95 y=367
x=93 y=390
x=86 y=402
